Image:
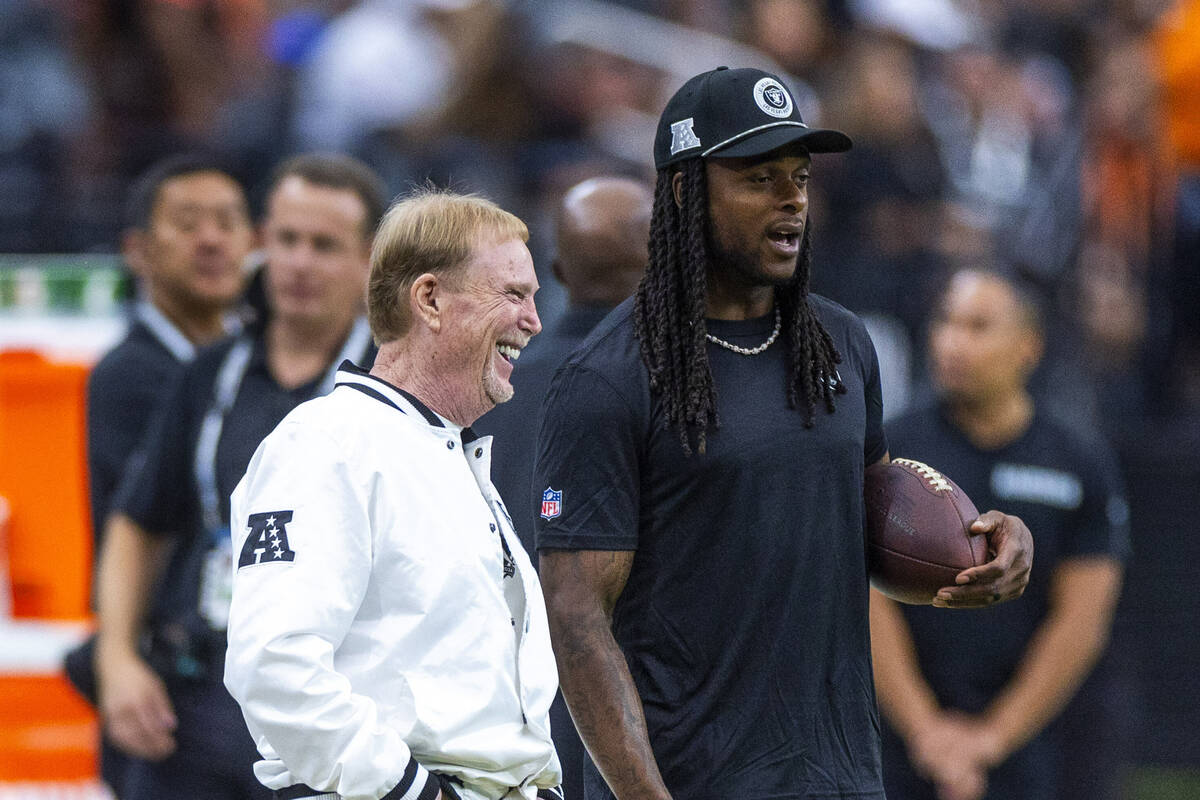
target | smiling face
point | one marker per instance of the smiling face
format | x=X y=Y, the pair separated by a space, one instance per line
x=488 y=318
x=757 y=211
x=317 y=255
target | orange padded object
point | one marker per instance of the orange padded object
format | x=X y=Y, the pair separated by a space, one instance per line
x=1177 y=41
x=47 y=732
x=43 y=475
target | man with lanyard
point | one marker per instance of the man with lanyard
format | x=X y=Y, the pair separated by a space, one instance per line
x=700 y=467
x=189 y=233
x=163 y=580
x=972 y=704
x=388 y=639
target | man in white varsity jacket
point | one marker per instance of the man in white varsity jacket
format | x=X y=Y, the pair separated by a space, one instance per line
x=388 y=637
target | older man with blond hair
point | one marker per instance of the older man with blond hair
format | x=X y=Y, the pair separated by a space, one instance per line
x=388 y=637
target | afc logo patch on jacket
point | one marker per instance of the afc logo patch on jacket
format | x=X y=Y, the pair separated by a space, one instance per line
x=267 y=542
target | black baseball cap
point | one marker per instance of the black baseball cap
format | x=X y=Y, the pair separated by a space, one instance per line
x=729 y=113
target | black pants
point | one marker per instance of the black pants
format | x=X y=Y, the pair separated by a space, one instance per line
x=214 y=755
x=1029 y=774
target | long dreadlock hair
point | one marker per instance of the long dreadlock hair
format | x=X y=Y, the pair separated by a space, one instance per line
x=669 y=316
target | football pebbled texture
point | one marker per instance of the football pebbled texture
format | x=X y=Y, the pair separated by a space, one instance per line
x=917 y=538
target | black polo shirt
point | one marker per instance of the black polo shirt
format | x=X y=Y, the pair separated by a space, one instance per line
x=160 y=492
x=1065 y=485
x=744 y=618
x=123 y=390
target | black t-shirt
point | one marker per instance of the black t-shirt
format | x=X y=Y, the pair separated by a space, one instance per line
x=744 y=618
x=160 y=491
x=124 y=388
x=1064 y=485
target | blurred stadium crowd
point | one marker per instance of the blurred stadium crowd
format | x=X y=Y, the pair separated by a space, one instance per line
x=1059 y=139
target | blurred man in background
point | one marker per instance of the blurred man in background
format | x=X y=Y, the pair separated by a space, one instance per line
x=971 y=701
x=189 y=232
x=603 y=229
x=165 y=565
x=188 y=236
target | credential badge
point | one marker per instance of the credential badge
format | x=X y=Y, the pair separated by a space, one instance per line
x=772 y=98
x=551 y=503
x=683 y=137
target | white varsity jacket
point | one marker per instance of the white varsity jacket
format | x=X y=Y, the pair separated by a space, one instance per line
x=386 y=621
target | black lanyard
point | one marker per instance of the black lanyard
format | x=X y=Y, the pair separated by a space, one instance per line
x=229 y=382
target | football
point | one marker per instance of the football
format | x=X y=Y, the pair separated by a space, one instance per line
x=917 y=538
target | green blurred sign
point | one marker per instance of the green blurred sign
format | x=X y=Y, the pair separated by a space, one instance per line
x=91 y=285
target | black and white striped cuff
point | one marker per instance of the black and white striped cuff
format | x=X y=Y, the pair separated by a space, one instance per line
x=550 y=794
x=417 y=783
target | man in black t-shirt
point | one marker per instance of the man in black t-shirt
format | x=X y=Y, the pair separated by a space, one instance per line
x=188 y=234
x=699 y=486
x=972 y=702
x=165 y=571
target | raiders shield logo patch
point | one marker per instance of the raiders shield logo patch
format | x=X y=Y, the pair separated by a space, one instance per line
x=772 y=98
x=268 y=541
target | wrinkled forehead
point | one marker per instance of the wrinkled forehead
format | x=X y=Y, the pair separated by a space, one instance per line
x=498 y=258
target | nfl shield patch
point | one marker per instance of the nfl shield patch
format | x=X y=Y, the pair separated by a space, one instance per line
x=551 y=503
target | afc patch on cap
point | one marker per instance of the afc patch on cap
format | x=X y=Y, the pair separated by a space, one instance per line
x=772 y=98
x=683 y=136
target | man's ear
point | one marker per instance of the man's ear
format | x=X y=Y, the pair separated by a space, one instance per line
x=133 y=250
x=365 y=253
x=425 y=298
x=677 y=188
x=1034 y=346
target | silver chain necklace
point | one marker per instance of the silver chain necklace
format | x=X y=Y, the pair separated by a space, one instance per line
x=751 y=351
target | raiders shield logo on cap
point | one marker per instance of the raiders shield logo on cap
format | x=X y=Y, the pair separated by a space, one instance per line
x=772 y=98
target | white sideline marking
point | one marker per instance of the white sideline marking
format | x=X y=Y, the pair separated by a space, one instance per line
x=87 y=790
